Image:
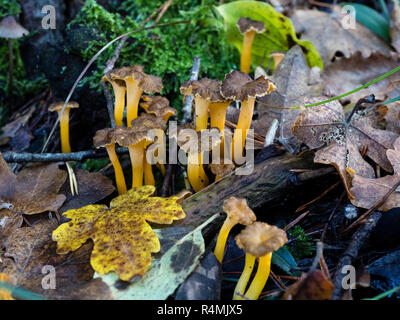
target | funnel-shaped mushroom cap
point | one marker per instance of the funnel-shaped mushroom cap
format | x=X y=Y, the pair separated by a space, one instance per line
x=206 y=88
x=148 y=83
x=277 y=56
x=204 y=140
x=237 y=209
x=104 y=137
x=246 y=24
x=139 y=131
x=57 y=106
x=11 y=29
x=238 y=85
x=259 y=239
x=222 y=169
x=157 y=105
x=108 y=77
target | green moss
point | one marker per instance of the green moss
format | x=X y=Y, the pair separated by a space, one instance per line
x=166 y=52
x=9 y=8
x=94 y=165
x=302 y=246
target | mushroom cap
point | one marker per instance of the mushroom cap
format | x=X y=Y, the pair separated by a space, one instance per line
x=238 y=85
x=238 y=210
x=221 y=169
x=206 y=88
x=148 y=83
x=260 y=238
x=109 y=78
x=246 y=24
x=140 y=130
x=157 y=105
x=11 y=29
x=57 y=106
x=205 y=140
x=104 y=137
x=277 y=56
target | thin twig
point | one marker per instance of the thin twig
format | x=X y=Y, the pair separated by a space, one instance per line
x=167 y=180
x=109 y=102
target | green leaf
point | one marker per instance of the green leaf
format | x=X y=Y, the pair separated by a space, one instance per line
x=371 y=19
x=278 y=36
x=284 y=260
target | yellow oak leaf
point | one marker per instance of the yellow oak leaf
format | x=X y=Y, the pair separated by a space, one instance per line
x=4 y=293
x=123 y=240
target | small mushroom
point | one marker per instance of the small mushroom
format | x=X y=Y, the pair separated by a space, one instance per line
x=119 y=88
x=158 y=106
x=237 y=211
x=205 y=91
x=10 y=29
x=221 y=169
x=248 y=28
x=204 y=140
x=259 y=240
x=239 y=86
x=277 y=56
x=64 y=122
x=106 y=138
x=136 y=139
x=136 y=82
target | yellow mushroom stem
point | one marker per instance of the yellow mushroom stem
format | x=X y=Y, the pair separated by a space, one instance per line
x=201 y=113
x=261 y=277
x=137 y=154
x=148 y=172
x=119 y=103
x=133 y=94
x=196 y=174
x=245 y=59
x=244 y=277
x=222 y=236
x=243 y=125
x=217 y=119
x=64 y=131
x=119 y=174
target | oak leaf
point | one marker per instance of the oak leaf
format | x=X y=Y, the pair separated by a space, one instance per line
x=123 y=240
x=34 y=190
x=367 y=191
x=340 y=143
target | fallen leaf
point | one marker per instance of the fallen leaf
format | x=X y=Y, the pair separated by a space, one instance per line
x=30 y=256
x=314 y=26
x=279 y=33
x=311 y=286
x=392 y=117
x=387 y=267
x=92 y=187
x=34 y=190
x=292 y=80
x=123 y=240
x=395 y=26
x=346 y=74
x=4 y=293
x=367 y=191
x=340 y=144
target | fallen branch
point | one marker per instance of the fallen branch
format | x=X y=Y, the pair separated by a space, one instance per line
x=54 y=157
x=187 y=108
x=357 y=242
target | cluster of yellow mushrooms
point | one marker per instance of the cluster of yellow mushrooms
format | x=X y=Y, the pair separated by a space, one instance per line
x=211 y=100
x=258 y=240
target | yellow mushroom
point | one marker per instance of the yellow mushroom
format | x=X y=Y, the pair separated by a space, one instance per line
x=106 y=138
x=277 y=56
x=248 y=28
x=64 y=122
x=136 y=82
x=195 y=144
x=136 y=139
x=119 y=88
x=258 y=240
x=237 y=211
x=239 y=86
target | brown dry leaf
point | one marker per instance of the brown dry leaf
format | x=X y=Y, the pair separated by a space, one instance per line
x=346 y=74
x=33 y=191
x=330 y=39
x=5 y=294
x=395 y=26
x=92 y=187
x=292 y=78
x=30 y=249
x=368 y=191
x=325 y=127
x=311 y=286
x=392 y=117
